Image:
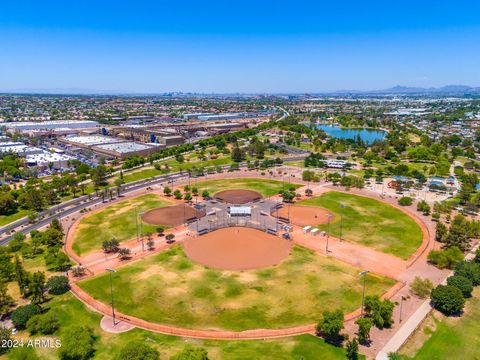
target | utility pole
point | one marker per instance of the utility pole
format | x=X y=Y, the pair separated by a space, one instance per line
x=111 y=294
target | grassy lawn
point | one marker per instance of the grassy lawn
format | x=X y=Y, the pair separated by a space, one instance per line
x=7 y=219
x=448 y=338
x=370 y=223
x=266 y=187
x=168 y=288
x=115 y=221
x=107 y=346
x=174 y=167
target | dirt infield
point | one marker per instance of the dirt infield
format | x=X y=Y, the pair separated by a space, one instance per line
x=301 y=215
x=171 y=215
x=237 y=196
x=237 y=248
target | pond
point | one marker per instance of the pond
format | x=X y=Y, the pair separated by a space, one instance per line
x=367 y=135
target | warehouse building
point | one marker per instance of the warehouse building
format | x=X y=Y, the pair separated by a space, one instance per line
x=51 y=125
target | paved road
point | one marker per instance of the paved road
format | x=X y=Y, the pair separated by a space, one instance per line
x=72 y=206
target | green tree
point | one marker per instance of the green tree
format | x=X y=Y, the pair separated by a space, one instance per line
x=58 y=285
x=137 y=351
x=352 y=349
x=6 y=301
x=381 y=311
x=237 y=153
x=330 y=325
x=167 y=191
x=36 y=287
x=77 y=343
x=364 y=325
x=45 y=324
x=447 y=299
x=22 y=314
x=470 y=270
x=21 y=276
x=462 y=283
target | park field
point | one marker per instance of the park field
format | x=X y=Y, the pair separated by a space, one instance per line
x=70 y=311
x=444 y=338
x=370 y=222
x=115 y=221
x=175 y=166
x=169 y=288
x=266 y=187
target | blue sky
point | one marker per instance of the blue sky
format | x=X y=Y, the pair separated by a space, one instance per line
x=241 y=46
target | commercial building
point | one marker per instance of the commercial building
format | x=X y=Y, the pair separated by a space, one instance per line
x=46 y=159
x=124 y=149
x=51 y=125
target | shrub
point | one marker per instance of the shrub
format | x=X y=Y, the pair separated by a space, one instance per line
x=445 y=258
x=22 y=314
x=447 y=299
x=5 y=335
x=58 y=285
x=421 y=287
x=405 y=201
x=44 y=324
x=137 y=351
x=461 y=283
x=77 y=343
x=190 y=352
x=470 y=270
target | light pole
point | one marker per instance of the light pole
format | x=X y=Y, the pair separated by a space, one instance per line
x=364 y=275
x=111 y=294
x=329 y=216
x=141 y=230
x=136 y=221
x=341 y=220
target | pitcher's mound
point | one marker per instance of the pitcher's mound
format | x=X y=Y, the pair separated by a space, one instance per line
x=301 y=215
x=237 y=248
x=238 y=196
x=171 y=215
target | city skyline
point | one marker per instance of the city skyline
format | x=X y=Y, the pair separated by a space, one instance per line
x=147 y=47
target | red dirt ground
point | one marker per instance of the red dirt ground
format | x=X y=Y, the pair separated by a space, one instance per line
x=237 y=196
x=237 y=248
x=302 y=215
x=171 y=215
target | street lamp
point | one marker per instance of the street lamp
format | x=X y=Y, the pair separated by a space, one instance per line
x=341 y=220
x=141 y=230
x=136 y=221
x=329 y=216
x=364 y=275
x=111 y=294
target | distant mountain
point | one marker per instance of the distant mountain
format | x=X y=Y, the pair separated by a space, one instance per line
x=449 y=89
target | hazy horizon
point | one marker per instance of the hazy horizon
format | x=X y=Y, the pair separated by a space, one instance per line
x=248 y=47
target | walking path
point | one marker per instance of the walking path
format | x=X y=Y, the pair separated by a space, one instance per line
x=352 y=253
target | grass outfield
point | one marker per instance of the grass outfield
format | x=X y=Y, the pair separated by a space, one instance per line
x=115 y=221
x=448 y=338
x=71 y=311
x=370 y=223
x=266 y=187
x=169 y=288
